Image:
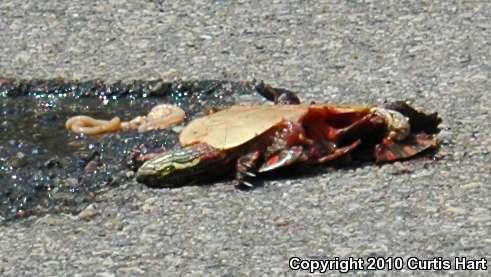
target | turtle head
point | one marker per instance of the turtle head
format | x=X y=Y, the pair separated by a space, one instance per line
x=180 y=167
x=168 y=169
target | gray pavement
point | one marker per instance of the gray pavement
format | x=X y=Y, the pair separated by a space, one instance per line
x=436 y=54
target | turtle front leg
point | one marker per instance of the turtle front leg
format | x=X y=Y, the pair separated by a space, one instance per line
x=246 y=168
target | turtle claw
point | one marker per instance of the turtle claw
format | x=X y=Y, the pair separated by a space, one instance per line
x=250 y=174
x=243 y=184
x=246 y=167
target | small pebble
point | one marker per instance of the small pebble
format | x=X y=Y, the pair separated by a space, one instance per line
x=89 y=213
x=149 y=205
x=20 y=160
x=71 y=182
x=50 y=163
x=115 y=224
x=129 y=174
x=91 y=167
x=177 y=129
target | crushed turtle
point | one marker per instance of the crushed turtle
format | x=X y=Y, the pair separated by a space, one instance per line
x=260 y=138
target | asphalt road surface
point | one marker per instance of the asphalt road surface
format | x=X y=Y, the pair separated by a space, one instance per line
x=436 y=54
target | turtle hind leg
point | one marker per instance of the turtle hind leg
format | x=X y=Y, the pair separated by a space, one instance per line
x=277 y=95
x=246 y=169
x=336 y=153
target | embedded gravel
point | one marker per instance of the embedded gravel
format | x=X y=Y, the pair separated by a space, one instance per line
x=434 y=53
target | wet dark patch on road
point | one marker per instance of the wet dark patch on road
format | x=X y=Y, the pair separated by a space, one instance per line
x=44 y=168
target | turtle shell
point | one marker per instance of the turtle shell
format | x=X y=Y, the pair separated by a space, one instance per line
x=237 y=125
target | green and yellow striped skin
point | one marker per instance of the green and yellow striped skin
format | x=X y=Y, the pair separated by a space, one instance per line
x=183 y=166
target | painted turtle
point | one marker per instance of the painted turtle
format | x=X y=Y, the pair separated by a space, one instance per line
x=261 y=138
